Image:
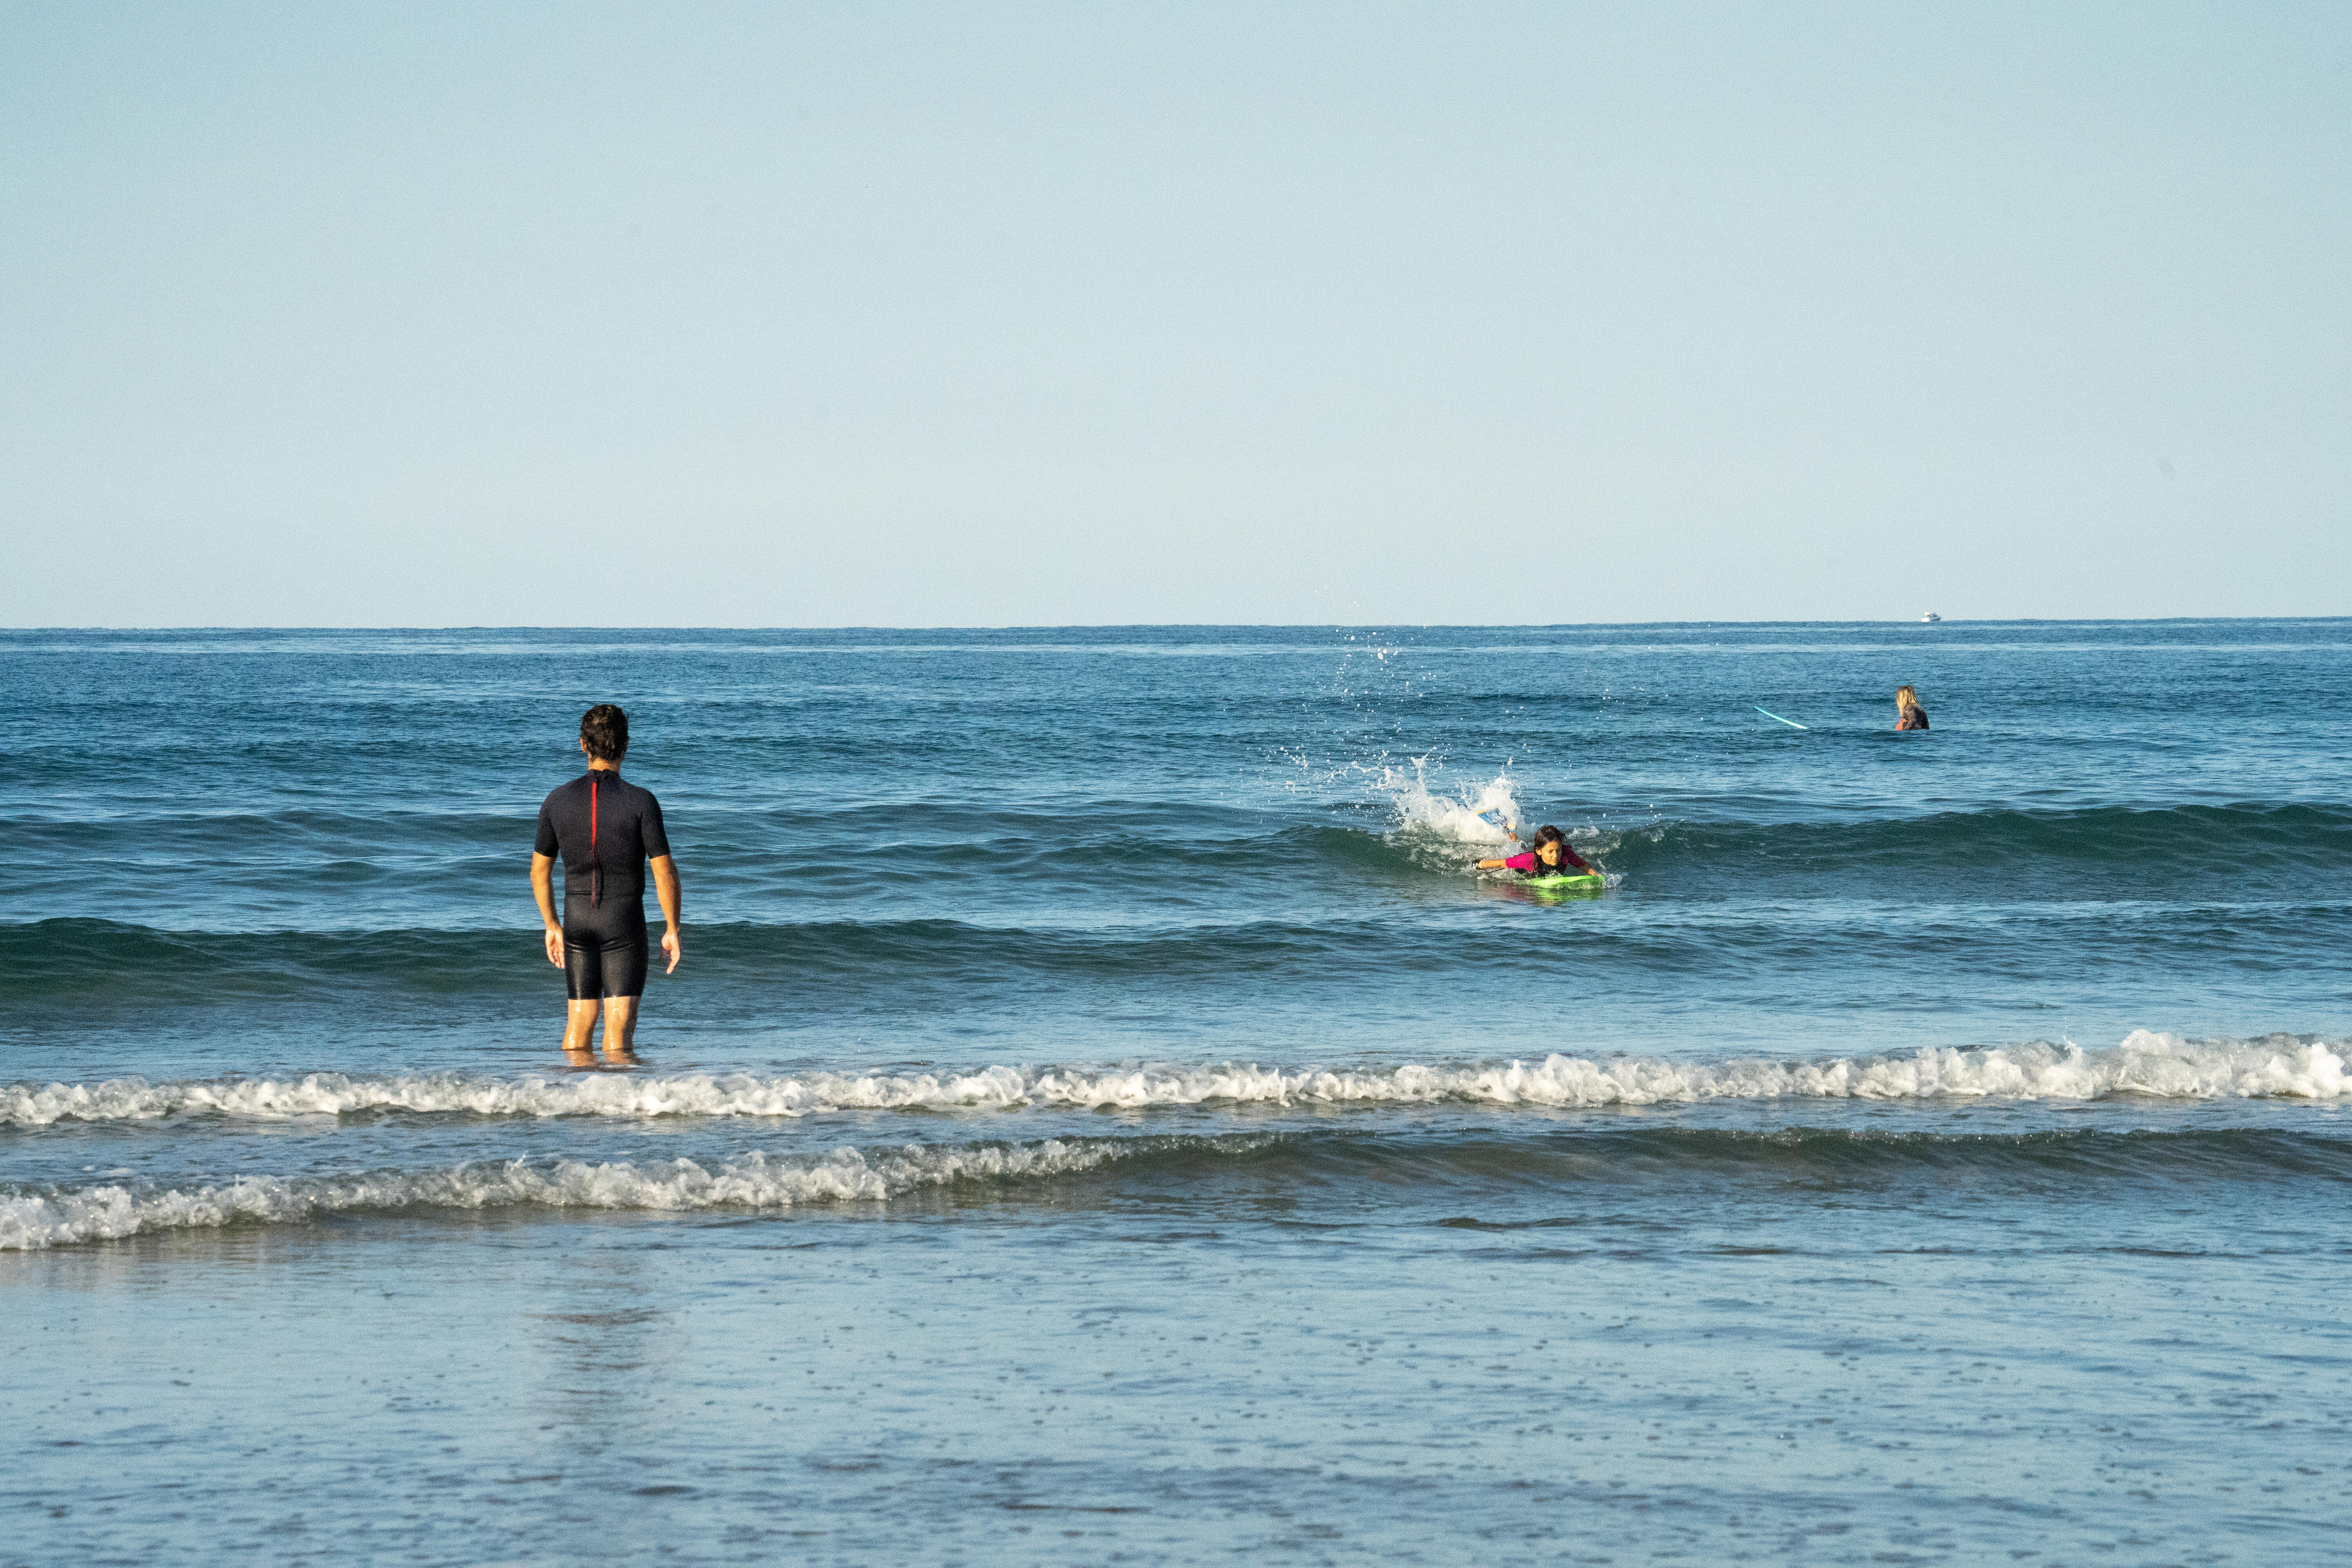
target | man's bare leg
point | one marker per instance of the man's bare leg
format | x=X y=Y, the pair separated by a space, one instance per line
x=620 y=1029
x=579 y=1023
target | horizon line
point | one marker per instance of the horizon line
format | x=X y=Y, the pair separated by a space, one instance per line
x=1179 y=625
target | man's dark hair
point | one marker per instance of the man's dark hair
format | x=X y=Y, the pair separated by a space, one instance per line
x=606 y=730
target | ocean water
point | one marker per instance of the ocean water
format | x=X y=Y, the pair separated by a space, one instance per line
x=1103 y=1116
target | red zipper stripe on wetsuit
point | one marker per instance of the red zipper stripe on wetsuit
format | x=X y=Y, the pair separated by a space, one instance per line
x=596 y=862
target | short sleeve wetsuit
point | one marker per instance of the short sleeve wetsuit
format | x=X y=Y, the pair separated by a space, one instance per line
x=1526 y=865
x=605 y=831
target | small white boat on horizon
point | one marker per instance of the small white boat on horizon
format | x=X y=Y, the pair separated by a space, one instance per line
x=1931 y=616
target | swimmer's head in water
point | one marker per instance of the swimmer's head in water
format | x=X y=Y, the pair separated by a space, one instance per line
x=1547 y=843
x=605 y=731
x=1907 y=697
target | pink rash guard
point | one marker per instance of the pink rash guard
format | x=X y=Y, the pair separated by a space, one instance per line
x=1530 y=865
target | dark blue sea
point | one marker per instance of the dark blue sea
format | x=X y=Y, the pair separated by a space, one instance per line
x=1103 y=1116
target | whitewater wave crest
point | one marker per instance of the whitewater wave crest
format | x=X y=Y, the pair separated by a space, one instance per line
x=35 y=1220
x=2146 y=1063
x=1462 y=817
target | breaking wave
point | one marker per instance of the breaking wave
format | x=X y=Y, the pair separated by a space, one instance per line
x=2144 y=1064
x=1395 y=1173
x=32 y=1220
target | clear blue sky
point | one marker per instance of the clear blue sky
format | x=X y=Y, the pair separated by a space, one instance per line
x=982 y=314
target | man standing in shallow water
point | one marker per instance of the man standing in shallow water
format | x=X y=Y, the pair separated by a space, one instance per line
x=607 y=832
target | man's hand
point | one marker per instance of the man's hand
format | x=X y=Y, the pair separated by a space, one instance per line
x=555 y=946
x=670 y=945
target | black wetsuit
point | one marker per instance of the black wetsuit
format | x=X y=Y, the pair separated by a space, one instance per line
x=605 y=831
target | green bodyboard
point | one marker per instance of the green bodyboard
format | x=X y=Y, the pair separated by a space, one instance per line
x=1588 y=879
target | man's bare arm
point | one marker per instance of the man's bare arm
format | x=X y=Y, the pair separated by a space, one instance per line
x=543 y=888
x=665 y=888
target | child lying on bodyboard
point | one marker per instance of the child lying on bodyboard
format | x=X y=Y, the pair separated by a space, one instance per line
x=1548 y=856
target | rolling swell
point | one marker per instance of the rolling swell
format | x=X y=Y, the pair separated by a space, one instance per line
x=313 y=869
x=1390 y=1170
x=921 y=963
x=2235 y=840
x=2220 y=840
x=1185 y=836
x=2148 y=1064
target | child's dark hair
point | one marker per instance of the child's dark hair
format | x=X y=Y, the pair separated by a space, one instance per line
x=606 y=730
x=1547 y=834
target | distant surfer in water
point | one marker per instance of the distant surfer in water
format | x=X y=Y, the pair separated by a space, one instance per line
x=1909 y=714
x=607 y=832
x=1548 y=856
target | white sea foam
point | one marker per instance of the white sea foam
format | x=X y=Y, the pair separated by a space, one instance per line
x=2158 y=1065
x=2145 y=1063
x=1458 y=818
x=751 y=1181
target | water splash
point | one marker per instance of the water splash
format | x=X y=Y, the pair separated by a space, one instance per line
x=1477 y=814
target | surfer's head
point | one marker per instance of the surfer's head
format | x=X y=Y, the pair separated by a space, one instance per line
x=1547 y=843
x=604 y=732
x=1907 y=698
